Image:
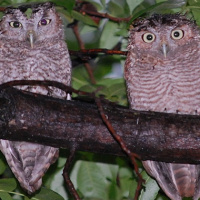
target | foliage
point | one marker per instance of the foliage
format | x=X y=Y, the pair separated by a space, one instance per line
x=95 y=176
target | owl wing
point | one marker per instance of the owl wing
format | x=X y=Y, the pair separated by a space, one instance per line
x=28 y=162
x=162 y=173
x=197 y=191
x=176 y=180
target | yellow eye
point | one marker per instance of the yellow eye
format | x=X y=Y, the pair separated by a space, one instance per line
x=177 y=34
x=15 y=24
x=148 y=37
x=44 y=22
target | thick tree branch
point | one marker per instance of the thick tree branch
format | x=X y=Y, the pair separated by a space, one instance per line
x=65 y=124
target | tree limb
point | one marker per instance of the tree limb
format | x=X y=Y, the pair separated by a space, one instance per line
x=65 y=124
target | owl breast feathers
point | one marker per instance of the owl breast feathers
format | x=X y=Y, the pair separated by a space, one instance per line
x=162 y=73
x=32 y=47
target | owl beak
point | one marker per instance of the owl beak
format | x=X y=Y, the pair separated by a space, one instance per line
x=164 y=49
x=31 y=38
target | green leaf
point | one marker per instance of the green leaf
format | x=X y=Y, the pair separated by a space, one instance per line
x=84 y=18
x=97 y=5
x=8 y=184
x=103 y=2
x=69 y=4
x=126 y=176
x=114 y=192
x=5 y=196
x=144 y=11
x=108 y=37
x=151 y=188
x=79 y=77
x=88 y=29
x=123 y=31
x=2 y=167
x=45 y=194
x=109 y=171
x=195 y=6
x=118 y=8
x=116 y=90
x=88 y=88
x=133 y=4
x=58 y=185
x=162 y=197
x=26 y=198
x=90 y=181
x=113 y=89
x=104 y=66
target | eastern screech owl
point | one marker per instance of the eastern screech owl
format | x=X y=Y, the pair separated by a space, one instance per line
x=162 y=73
x=32 y=47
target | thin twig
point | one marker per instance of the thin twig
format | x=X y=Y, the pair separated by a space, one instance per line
x=89 y=9
x=105 y=15
x=84 y=55
x=121 y=142
x=68 y=181
x=82 y=46
x=56 y=84
x=78 y=37
x=88 y=52
x=2 y=9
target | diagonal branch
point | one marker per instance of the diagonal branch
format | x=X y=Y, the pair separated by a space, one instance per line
x=66 y=176
x=123 y=145
x=82 y=46
x=86 y=8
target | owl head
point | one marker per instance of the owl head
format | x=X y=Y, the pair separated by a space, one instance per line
x=163 y=36
x=31 y=23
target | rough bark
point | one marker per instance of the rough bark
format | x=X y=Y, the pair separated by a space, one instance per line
x=77 y=124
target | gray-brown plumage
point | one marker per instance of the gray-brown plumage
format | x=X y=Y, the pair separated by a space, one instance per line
x=162 y=73
x=32 y=47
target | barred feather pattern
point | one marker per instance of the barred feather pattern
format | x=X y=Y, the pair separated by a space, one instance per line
x=47 y=59
x=166 y=84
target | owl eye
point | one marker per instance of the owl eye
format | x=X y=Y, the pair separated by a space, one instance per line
x=15 y=24
x=177 y=34
x=148 y=37
x=44 y=22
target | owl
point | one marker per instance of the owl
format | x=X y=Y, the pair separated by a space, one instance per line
x=32 y=47
x=162 y=73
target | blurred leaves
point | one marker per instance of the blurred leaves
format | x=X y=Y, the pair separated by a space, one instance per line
x=194 y=6
x=133 y=4
x=83 y=18
x=151 y=189
x=45 y=194
x=108 y=36
x=90 y=181
x=8 y=184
